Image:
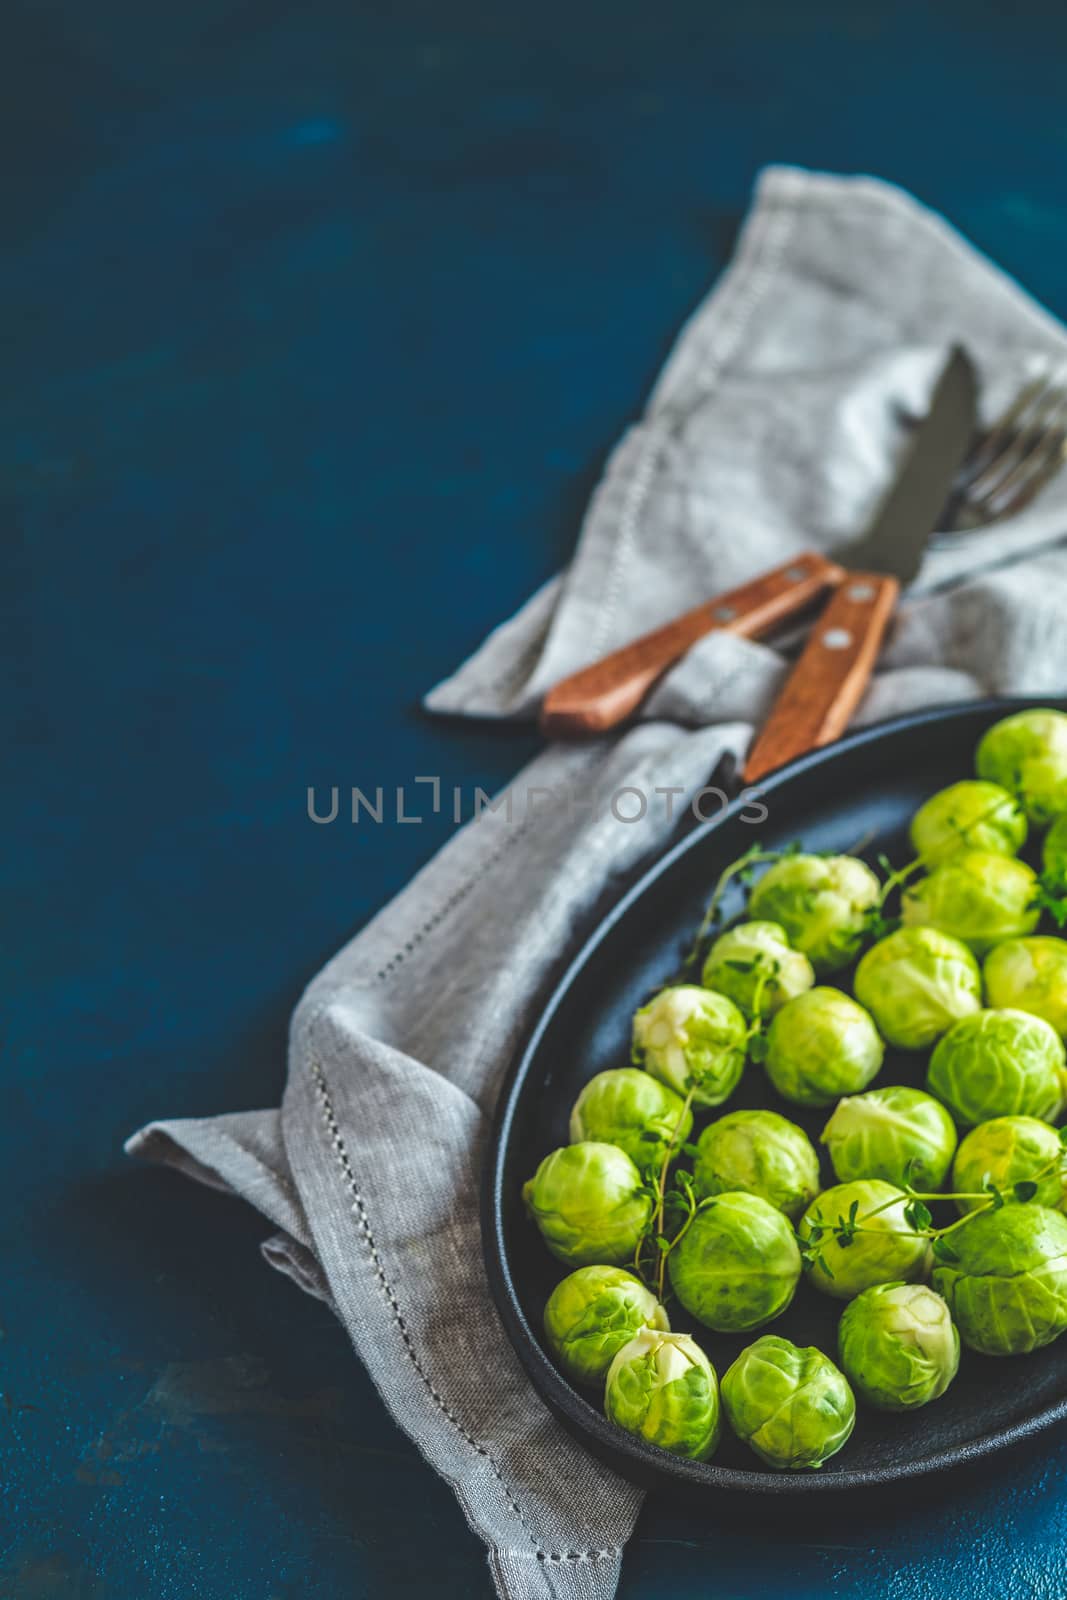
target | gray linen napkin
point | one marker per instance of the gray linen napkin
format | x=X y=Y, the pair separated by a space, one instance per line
x=774 y=426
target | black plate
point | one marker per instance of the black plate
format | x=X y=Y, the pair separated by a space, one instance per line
x=866 y=785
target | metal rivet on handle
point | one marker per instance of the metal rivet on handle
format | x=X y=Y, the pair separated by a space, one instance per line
x=794 y=574
x=837 y=638
x=724 y=613
x=861 y=591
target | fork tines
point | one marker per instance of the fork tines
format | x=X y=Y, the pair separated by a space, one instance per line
x=1024 y=449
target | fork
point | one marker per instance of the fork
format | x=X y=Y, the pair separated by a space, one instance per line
x=1013 y=460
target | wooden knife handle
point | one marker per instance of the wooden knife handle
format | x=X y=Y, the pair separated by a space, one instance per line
x=602 y=695
x=828 y=681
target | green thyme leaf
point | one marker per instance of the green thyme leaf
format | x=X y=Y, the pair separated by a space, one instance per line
x=1050 y=898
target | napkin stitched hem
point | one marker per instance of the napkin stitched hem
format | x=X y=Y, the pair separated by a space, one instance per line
x=500 y=1556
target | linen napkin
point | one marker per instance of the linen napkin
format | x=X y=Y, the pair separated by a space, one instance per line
x=774 y=426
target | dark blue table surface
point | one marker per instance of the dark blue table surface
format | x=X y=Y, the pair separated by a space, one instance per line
x=320 y=320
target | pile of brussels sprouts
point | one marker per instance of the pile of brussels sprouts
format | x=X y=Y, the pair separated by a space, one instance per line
x=946 y=1220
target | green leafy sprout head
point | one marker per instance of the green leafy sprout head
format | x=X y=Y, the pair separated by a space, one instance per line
x=662 y=1387
x=898 y=1346
x=897 y=1134
x=633 y=1110
x=589 y=1203
x=737 y=1264
x=978 y=897
x=692 y=1040
x=916 y=983
x=999 y=1063
x=883 y=1249
x=821 y=1045
x=971 y=815
x=755 y=965
x=760 y=1153
x=592 y=1314
x=791 y=1406
x=1030 y=975
x=1007 y=1287
x=1007 y=1151
x=1027 y=754
x=822 y=902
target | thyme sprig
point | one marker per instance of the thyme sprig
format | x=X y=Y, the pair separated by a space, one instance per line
x=1051 y=897
x=667 y=1203
x=675 y=1207
x=877 y=923
x=918 y=1216
x=743 y=869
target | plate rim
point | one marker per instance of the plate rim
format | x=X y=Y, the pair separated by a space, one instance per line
x=631 y=1455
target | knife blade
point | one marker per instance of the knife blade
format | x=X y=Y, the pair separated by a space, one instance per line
x=602 y=695
x=831 y=677
x=897 y=533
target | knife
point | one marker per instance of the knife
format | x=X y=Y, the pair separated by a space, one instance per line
x=832 y=673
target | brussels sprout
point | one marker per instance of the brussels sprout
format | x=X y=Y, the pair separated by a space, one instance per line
x=790 y=1405
x=822 y=902
x=999 y=1063
x=971 y=815
x=1007 y=1151
x=1030 y=975
x=916 y=983
x=898 y=1345
x=754 y=965
x=900 y=1135
x=592 y=1314
x=760 y=1153
x=1054 y=855
x=1027 y=753
x=589 y=1203
x=883 y=1249
x=737 y=1264
x=1007 y=1288
x=633 y=1110
x=662 y=1387
x=689 y=1038
x=978 y=897
x=821 y=1045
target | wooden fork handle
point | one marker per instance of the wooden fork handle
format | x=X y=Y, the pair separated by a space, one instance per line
x=828 y=681
x=604 y=694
